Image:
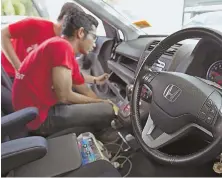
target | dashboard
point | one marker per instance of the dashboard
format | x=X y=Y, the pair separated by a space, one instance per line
x=197 y=57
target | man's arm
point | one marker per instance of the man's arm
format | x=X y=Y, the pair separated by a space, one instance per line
x=85 y=90
x=88 y=78
x=8 y=49
x=62 y=83
x=98 y=80
x=17 y=30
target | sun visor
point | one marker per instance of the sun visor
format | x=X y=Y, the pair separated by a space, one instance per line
x=142 y=24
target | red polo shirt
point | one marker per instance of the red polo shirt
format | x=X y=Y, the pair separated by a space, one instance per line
x=33 y=85
x=26 y=35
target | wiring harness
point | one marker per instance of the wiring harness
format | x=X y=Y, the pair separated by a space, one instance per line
x=117 y=156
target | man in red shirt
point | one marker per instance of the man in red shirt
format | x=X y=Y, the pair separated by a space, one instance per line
x=45 y=80
x=20 y=38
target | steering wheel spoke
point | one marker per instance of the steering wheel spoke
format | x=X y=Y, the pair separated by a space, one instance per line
x=155 y=138
x=217 y=129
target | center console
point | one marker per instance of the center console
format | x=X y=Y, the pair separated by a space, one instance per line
x=125 y=108
x=122 y=89
x=64 y=154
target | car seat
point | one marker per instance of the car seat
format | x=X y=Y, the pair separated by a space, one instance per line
x=7 y=108
x=37 y=156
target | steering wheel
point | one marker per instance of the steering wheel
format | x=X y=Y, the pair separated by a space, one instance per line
x=179 y=102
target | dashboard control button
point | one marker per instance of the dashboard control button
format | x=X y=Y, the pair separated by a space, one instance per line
x=202 y=115
x=213 y=111
x=146 y=93
x=205 y=109
x=209 y=119
x=208 y=112
x=209 y=103
x=149 y=77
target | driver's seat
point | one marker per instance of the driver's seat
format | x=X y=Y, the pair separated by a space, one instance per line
x=7 y=108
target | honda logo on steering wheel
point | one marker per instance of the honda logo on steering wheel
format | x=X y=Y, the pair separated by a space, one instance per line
x=172 y=92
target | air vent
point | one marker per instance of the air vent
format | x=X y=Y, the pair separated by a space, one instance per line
x=153 y=45
x=170 y=52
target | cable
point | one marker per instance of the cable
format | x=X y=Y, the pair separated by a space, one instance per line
x=131 y=165
x=119 y=150
x=112 y=141
x=116 y=157
x=119 y=145
x=126 y=160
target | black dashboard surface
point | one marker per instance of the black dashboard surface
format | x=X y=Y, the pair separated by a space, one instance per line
x=134 y=48
x=194 y=57
x=186 y=56
x=137 y=50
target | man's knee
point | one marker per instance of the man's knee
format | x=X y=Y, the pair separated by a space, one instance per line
x=101 y=114
x=106 y=109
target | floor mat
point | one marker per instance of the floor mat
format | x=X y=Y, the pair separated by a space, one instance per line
x=144 y=167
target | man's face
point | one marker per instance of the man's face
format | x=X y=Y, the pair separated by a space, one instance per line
x=88 y=42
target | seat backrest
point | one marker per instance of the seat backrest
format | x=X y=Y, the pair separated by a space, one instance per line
x=6 y=100
x=5 y=79
x=7 y=108
x=6 y=92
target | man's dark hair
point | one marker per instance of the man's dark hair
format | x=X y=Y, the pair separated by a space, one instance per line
x=74 y=21
x=67 y=8
x=93 y=20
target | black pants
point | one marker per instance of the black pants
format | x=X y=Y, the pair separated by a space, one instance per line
x=96 y=116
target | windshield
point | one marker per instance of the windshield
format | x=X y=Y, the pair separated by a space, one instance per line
x=162 y=20
x=208 y=19
x=165 y=16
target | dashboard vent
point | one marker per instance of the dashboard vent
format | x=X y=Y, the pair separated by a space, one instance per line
x=153 y=45
x=170 y=52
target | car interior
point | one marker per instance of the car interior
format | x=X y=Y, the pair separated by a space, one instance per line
x=168 y=95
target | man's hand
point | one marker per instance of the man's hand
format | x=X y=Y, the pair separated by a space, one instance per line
x=100 y=80
x=16 y=71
